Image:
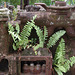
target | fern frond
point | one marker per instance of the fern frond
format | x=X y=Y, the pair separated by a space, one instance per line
x=11 y=30
x=59 y=58
x=26 y=31
x=60 y=52
x=61 y=63
x=14 y=31
x=45 y=33
x=69 y=63
x=72 y=59
x=58 y=71
x=15 y=36
x=61 y=68
x=37 y=46
x=40 y=35
x=10 y=27
x=21 y=39
x=34 y=17
x=17 y=29
x=14 y=46
x=27 y=28
x=55 y=37
x=22 y=43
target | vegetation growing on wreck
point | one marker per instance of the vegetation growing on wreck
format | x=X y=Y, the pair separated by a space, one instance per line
x=21 y=40
x=62 y=65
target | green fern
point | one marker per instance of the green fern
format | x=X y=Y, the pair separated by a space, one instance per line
x=40 y=35
x=14 y=32
x=58 y=71
x=72 y=59
x=69 y=63
x=17 y=29
x=15 y=11
x=60 y=52
x=27 y=29
x=11 y=28
x=61 y=63
x=43 y=37
x=45 y=33
x=54 y=38
x=21 y=39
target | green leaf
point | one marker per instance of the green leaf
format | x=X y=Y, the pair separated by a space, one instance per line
x=37 y=46
x=67 y=65
x=61 y=68
x=26 y=31
x=55 y=37
x=61 y=63
x=72 y=59
x=14 y=47
x=58 y=71
x=15 y=36
x=45 y=33
x=34 y=17
x=10 y=27
x=17 y=28
x=40 y=35
x=35 y=52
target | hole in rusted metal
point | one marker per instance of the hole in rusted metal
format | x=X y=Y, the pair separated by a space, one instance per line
x=4 y=65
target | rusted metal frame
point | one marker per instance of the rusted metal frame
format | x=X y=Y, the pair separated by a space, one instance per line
x=12 y=70
x=3 y=38
x=48 y=60
x=18 y=66
x=48 y=66
x=12 y=65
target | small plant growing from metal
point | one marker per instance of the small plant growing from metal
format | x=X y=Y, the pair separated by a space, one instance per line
x=21 y=40
x=62 y=65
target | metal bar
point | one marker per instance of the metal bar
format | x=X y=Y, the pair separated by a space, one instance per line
x=21 y=4
x=26 y=2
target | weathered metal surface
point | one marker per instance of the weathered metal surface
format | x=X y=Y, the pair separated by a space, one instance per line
x=51 y=20
x=40 y=52
x=30 y=8
x=12 y=65
x=3 y=38
x=4 y=42
x=58 y=17
x=55 y=18
x=12 y=69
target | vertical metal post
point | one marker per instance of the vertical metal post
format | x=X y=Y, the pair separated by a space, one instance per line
x=21 y=4
x=26 y=2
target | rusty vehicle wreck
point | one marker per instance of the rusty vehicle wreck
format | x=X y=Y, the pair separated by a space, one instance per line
x=55 y=17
